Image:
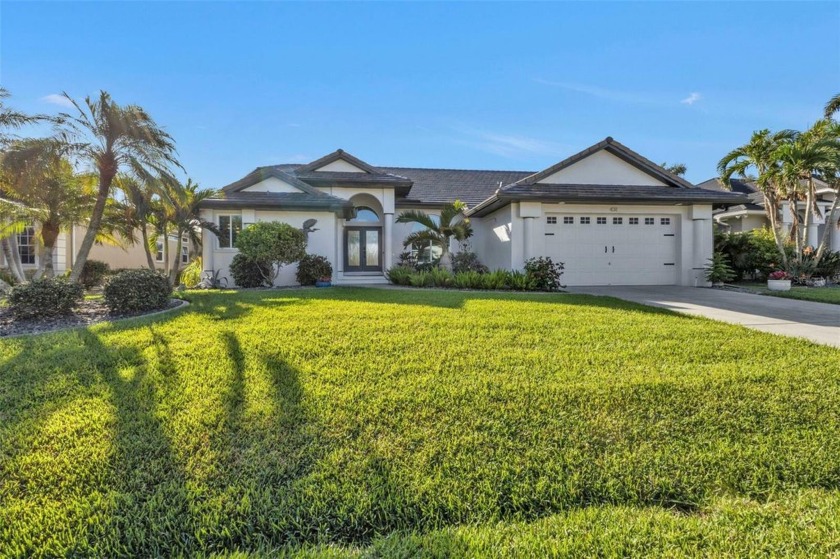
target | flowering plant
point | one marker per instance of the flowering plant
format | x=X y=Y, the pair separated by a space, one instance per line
x=778 y=275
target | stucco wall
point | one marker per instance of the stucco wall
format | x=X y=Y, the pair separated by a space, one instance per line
x=601 y=168
x=492 y=238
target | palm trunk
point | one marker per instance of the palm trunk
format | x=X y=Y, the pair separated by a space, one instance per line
x=772 y=208
x=150 y=261
x=105 y=180
x=49 y=236
x=795 y=228
x=12 y=259
x=176 y=263
x=445 y=261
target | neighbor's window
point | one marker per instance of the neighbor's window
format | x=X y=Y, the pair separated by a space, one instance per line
x=568 y=220
x=585 y=220
x=26 y=245
x=185 y=254
x=665 y=221
x=618 y=220
x=229 y=226
x=551 y=220
x=601 y=221
x=159 y=249
x=649 y=221
x=634 y=220
x=425 y=252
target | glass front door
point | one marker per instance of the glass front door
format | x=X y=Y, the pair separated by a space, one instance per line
x=363 y=249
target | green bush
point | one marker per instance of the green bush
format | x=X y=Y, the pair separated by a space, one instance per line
x=45 y=297
x=543 y=273
x=718 y=269
x=93 y=273
x=249 y=273
x=191 y=274
x=137 y=290
x=468 y=280
x=312 y=268
x=7 y=276
x=278 y=244
x=467 y=262
x=400 y=275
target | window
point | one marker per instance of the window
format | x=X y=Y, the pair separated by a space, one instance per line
x=551 y=220
x=185 y=254
x=601 y=220
x=634 y=220
x=568 y=220
x=159 y=249
x=229 y=226
x=425 y=252
x=26 y=245
x=363 y=213
x=584 y=220
x=648 y=221
x=665 y=221
x=618 y=220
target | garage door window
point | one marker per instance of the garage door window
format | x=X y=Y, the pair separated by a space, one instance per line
x=568 y=220
x=665 y=221
x=551 y=220
x=649 y=221
x=617 y=220
x=601 y=221
x=584 y=221
x=634 y=221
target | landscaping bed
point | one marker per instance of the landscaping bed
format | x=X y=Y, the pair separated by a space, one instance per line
x=88 y=312
x=828 y=294
x=388 y=422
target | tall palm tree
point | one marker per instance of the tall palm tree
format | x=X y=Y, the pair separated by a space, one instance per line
x=11 y=119
x=182 y=214
x=832 y=107
x=452 y=223
x=678 y=169
x=139 y=199
x=759 y=154
x=114 y=138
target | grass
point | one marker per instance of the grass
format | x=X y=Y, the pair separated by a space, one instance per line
x=362 y=422
x=819 y=294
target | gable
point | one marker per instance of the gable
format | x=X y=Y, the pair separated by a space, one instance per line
x=272 y=184
x=340 y=166
x=601 y=167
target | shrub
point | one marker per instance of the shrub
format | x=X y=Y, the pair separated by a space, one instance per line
x=6 y=275
x=272 y=242
x=829 y=265
x=441 y=278
x=420 y=279
x=45 y=297
x=718 y=269
x=191 y=274
x=544 y=274
x=137 y=290
x=519 y=281
x=498 y=279
x=467 y=262
x=312 y=268
x=778 y=275
x=93 y=273
x=468 y=280
x=399 y=275
x=248 y=273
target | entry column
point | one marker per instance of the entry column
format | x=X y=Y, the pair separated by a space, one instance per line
x=389 y=240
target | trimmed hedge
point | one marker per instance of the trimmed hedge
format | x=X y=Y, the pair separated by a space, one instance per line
x=247 y=273
x=45 y=297
x=311 y=268
x=93 y=273
x=540 y=275
x=137 y=290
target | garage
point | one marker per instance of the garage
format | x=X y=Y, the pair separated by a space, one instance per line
x=613 y=249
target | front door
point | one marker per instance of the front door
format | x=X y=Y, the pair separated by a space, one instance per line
x=362 y=249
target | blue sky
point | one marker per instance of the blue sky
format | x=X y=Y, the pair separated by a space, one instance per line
x=491 y=86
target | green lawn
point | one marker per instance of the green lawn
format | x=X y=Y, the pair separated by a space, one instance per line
x=818 y=294
x=363 y=422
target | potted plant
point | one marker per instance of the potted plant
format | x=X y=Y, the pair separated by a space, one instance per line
x=718 y=271
x=323 y=281
x=778 y=281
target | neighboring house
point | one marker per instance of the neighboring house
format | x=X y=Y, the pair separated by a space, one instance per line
x=611 y=215
x=123 y=256
x=752 y=215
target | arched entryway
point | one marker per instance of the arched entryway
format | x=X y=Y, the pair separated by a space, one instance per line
x=363 y=242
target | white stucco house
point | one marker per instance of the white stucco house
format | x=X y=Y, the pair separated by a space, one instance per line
x=610 y=215
x=751 y=215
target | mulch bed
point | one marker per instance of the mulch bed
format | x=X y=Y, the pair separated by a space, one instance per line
x=89 y=312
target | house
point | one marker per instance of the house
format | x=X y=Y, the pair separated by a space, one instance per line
x=752 y=215
x=609 y=214
x=122 y=255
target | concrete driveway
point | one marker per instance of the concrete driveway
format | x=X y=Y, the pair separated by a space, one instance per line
x=818 y=322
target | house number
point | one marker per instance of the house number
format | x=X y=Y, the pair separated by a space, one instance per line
x=613 y=209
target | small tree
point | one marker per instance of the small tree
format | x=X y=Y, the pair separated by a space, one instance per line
x=452 y=223
x=278 y=244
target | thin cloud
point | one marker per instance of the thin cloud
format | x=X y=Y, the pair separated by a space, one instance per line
x=603 y=93
x=56 y=99
x=691 y=99
x=507 y=145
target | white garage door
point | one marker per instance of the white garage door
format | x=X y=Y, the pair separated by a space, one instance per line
x=602 y=249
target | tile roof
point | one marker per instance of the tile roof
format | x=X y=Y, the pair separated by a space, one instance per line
x=443 y=186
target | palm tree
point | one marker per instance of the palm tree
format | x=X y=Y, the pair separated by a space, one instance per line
x=678 y=169
x=832 y=107
x=181 y=212
x=139 y=200
x=759 y=154
x=451 y=224
x=114 y=138
x=10 y=119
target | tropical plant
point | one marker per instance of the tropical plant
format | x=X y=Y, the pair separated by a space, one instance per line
x=182 y=216
x=247 y=273
x=832 y=107
x=466 y=261
x=113 y=138
x=678 y=169
x=191 y=274
x=718 y=270
x=313 y=268
x=544 y=273
x=272 y=242
x=11 y=119
x=451 y=224
x=139 y=199
x=399 y=275
x=778 y=275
